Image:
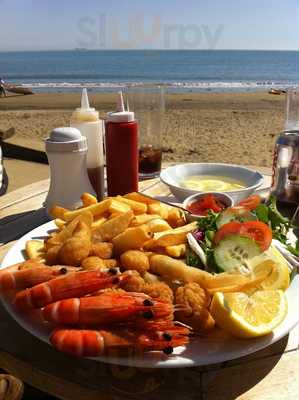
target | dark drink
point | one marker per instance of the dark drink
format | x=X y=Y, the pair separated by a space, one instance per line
x=150 y=160
x=94 y=175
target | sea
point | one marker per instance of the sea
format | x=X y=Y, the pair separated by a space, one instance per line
x=178 y=70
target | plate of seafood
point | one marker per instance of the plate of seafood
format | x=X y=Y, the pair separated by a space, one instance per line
x=129 y=281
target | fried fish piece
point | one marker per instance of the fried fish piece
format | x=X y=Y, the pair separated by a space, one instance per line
x=136 y=260
x=193 y=303
x=75 y=249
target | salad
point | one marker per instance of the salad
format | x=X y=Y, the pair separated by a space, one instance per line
x=230 y=239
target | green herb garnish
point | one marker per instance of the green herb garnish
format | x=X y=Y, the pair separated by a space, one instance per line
x=192 y=258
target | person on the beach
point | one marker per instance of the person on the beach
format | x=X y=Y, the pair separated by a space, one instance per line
x=2 y=88
x=3 y=175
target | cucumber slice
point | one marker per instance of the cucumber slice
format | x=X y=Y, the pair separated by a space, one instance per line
x=235 y=252
x=241 y=215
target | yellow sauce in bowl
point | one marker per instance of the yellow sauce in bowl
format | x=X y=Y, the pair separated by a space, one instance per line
x=211 y=183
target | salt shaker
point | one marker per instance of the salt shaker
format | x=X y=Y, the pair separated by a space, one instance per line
x=66 y=150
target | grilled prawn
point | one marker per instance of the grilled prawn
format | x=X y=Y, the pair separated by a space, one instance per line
x=74 y=284
x=95 y=342
x=14 y=278
x=107 y=308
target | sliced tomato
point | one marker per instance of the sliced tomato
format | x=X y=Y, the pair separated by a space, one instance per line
x=250 y=203
x=256 y=230
x=231 y=228
x=259 y=232
x=203 y=205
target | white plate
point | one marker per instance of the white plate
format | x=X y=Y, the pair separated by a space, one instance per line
x=200 y=351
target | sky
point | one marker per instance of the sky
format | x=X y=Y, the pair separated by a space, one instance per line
x=139 y=24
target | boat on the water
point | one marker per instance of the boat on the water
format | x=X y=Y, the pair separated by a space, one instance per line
x=17 y=89
x=276 y=91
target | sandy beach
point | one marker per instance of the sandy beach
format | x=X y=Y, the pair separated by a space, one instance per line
x=236 y=128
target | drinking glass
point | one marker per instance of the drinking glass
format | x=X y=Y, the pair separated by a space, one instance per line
x=148 y=103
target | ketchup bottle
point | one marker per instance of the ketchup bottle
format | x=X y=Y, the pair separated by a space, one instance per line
x=121 y=150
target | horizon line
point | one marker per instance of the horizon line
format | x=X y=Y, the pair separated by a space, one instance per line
x=82 y=49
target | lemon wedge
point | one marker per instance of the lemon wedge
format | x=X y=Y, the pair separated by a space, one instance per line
x=279 y=277
x=247 y=316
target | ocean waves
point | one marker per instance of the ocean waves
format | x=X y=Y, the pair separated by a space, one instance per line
x=172 y=86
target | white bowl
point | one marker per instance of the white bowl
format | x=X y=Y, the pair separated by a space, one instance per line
x=225 y=199
x=173 y=176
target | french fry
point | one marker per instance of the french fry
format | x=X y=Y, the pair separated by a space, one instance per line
x=182 y=229
x=177 y=251
x=113 y=227
x=140 y=198
x=115 y=214
x=171 y=239
x=88 y=199
x=35 y=249
x=60 y=223
x=131 y=239
x=94 y=209
x=67 y=231
x=118 y=207
x=175 y=236
x=159 y=208
x=175 y=217
x=143 y=219
x=157 y=250
x=58 y=212
x=136 y=206
x=158 y=225
x=86 y=217
x=149 y=244
x=96 y=224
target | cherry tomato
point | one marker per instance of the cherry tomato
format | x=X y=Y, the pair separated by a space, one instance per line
x=203 y=205
x=259 y=232
x=250 y=203
x=231 y=228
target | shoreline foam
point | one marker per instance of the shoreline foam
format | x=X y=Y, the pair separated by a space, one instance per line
x=196 y=86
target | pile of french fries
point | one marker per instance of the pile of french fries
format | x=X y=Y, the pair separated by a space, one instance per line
x=112 y=227
x=133 y=232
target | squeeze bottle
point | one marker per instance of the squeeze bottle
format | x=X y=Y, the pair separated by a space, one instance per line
x=87 y=120
x=66 y=150
x=121 y=150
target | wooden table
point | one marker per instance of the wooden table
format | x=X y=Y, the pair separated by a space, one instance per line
x=269 y=374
